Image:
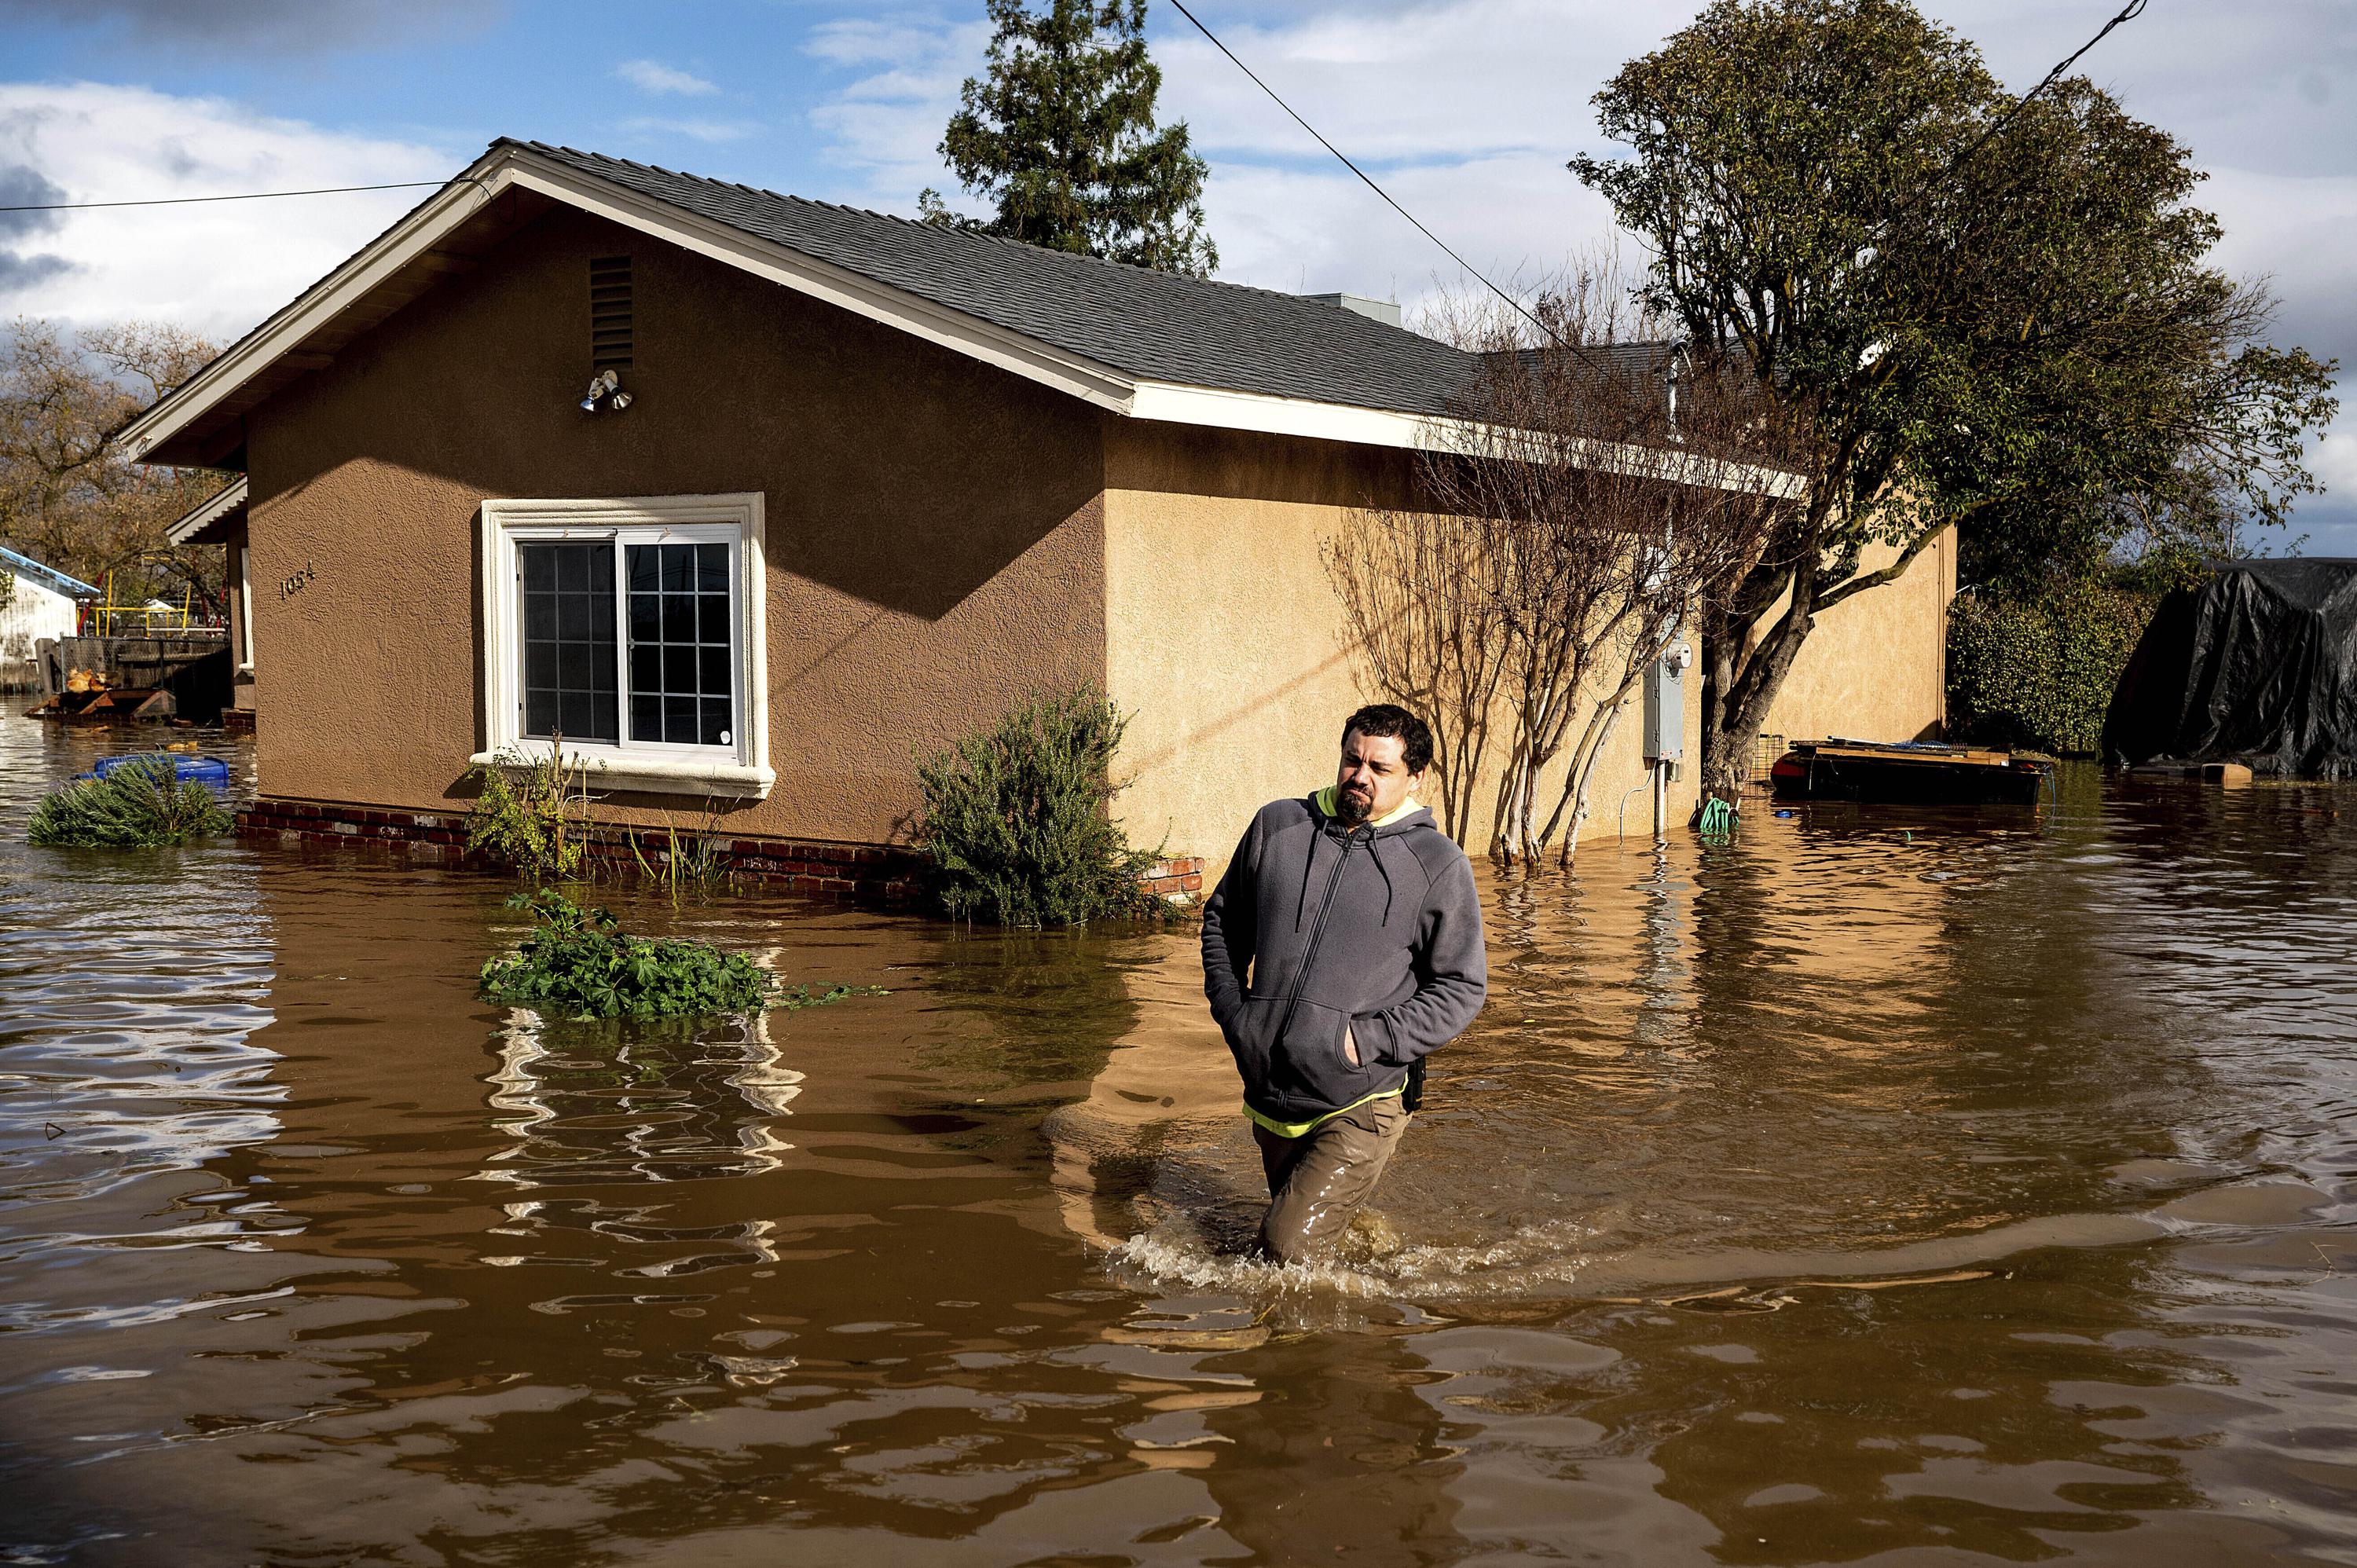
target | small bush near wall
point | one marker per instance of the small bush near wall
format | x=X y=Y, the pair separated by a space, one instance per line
x=532 y=816
x=2041 y=672
x=146 y=805
x=1015 y=819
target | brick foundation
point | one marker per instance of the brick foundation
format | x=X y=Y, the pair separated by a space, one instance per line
x=887 y=875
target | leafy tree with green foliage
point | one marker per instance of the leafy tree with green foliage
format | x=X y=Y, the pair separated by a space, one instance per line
x=1016 y=822
x=1952 y=307
x=2224 y=448
x=1061 y=135
x=143 y=805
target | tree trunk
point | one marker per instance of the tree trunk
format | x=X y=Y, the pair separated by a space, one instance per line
x=1745 y=682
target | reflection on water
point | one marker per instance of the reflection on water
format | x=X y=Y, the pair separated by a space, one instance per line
x=1936 y=1189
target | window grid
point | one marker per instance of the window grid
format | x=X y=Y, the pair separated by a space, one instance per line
x=681 y=686
x=569 y=668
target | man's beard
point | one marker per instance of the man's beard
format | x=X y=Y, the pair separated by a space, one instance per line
x=1352 y=809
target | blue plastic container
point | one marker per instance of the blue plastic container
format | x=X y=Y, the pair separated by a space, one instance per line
x=210 y=771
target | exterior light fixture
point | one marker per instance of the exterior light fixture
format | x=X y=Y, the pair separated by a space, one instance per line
x=605 y=385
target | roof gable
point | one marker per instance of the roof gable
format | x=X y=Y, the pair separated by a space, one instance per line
x=1135 y=341
x=1154 y=326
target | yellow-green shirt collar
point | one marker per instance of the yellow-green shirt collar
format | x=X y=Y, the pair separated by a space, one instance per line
x=1324 y=800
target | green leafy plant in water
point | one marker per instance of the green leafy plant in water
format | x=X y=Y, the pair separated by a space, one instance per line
x=143 y=805
x=1016 y=819
x=531 y=815
x=579 y=963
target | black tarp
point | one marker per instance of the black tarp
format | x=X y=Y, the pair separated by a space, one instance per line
x=2258 y=665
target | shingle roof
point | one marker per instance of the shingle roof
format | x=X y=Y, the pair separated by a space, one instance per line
x=1153 y=326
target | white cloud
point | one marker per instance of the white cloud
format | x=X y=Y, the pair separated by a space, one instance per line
x=695 y=130
x=652 y=76
x=218 y=267
x=884 y=125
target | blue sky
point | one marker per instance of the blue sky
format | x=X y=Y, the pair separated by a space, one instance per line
x=1467 y=108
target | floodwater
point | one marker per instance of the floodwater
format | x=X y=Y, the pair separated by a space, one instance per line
x=1892 y=1188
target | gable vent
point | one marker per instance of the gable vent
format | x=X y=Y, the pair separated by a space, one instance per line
x=610 y=312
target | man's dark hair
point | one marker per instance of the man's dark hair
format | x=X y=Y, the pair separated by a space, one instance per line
x=1379 y=721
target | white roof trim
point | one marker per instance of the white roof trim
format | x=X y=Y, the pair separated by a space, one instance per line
x=208 y=511
x=1423 y=433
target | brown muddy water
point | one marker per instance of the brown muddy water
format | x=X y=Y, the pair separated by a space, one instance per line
x=1894 y=1188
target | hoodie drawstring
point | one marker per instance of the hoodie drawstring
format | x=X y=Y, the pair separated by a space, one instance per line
x=1374 y=853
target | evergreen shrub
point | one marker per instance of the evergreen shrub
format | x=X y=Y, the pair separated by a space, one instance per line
x=1016 y=819
x=2039 y=672
x=142 y=805
x=578 y=964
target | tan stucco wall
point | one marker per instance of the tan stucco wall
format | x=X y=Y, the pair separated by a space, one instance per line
x=1875 y=666
x=1226 y=641
x=933 y=529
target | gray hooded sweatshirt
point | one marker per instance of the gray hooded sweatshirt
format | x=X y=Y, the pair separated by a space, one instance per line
x=1318 y=924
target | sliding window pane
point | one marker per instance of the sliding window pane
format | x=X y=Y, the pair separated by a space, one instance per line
x=682 y=678
x=571 y=678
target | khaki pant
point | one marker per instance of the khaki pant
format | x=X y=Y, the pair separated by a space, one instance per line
x=1316 y=1182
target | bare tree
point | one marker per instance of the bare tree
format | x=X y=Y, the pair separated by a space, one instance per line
x=1590 y=494
x=69 y=496
x=1424 y=625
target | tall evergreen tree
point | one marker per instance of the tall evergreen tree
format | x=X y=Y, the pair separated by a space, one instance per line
x=1061 y=135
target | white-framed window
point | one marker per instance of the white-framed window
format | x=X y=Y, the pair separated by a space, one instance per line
x=245 y=608
x=629 y=632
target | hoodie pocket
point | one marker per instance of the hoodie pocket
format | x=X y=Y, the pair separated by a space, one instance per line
x=1250 y=1038
x=1308 y=1067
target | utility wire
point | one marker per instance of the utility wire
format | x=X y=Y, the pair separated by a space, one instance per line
x=242 y=196
x=2128 y=12
x=1520 y=308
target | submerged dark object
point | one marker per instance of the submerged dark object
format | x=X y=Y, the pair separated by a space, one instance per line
x=1921 y=773
x=2257 y=666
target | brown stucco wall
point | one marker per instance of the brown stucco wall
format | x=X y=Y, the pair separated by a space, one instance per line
x=933 y=529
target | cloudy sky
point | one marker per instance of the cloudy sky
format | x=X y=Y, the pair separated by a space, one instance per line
x=1466 y=108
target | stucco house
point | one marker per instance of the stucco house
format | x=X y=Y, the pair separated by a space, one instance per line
x=751 y=498
x=43 y=605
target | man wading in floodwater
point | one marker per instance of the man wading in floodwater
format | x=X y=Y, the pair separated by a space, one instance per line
x=1342 y=946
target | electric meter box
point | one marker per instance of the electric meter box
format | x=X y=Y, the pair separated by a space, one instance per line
x=1665 y=703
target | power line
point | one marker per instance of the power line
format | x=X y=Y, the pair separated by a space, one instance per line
x=2128 y=12
x=1518 y=305
x=242 y=196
